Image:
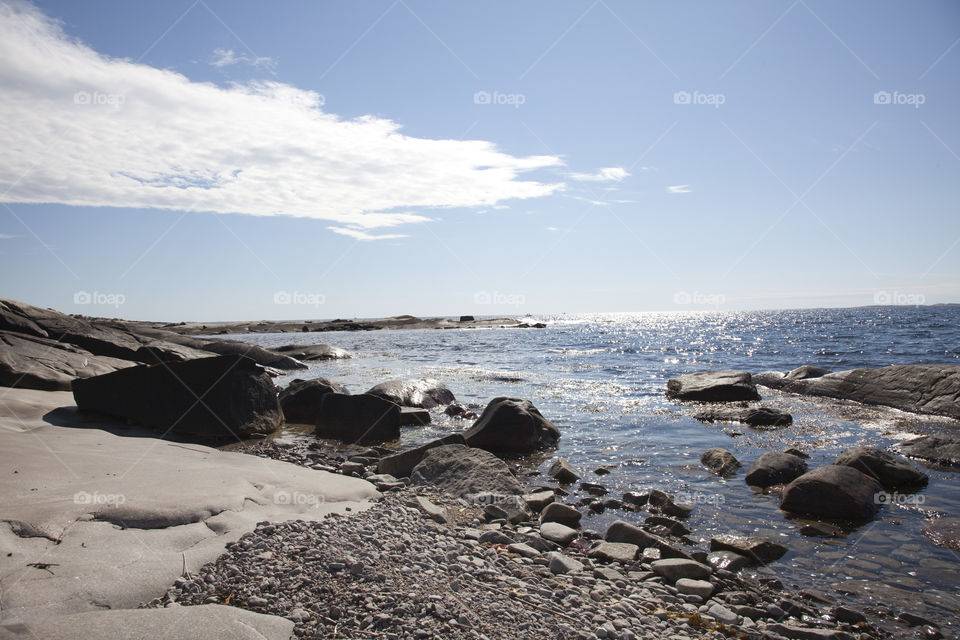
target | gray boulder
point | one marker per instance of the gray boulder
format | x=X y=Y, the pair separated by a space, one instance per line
x=513 y=426
x=833 y=492
x=559 y=533
x=218 y=398
x=423 y=394
x=713 y=386
x=401 y=464
x=461 y=471
x=300 y=400
x=360 y=419
x=938 y=449
x=720 y=461
x=892 y=472
x=773 y=468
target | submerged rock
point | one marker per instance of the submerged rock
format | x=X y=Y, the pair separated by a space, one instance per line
x=833 y=492
x=773 y=468
x=423 y=393
x=892 y=472
x=511 y=425
x=362 y=418
x=312 y=352
x=760 y=417
x=217 y=398
x=944 y=532
x=713 y=386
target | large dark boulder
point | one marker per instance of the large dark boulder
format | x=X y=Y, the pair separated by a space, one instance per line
x=217 y=398
x=938 y=449
x=920 y=388
x=713 y=386
x=400 y=465
x=461 y=471
x=892 y=472
x=257 y=353
x=773 y=468
x=363 y=418
x=425 y=394
x=311 y=352
x=833 y=492
x=512 y=425
x=32 y=362
x=300 y=400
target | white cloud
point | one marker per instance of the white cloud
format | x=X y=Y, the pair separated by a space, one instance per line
x=79 y=128
x=679 y=188
x=7 y=236
x=360 y=234
x=227 y=58
x=615 y=174
x=553 y=229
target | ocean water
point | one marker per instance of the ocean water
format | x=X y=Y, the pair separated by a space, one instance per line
x=601 y=380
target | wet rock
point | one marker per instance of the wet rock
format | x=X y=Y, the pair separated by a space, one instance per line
x=720 y=461
x=562 y=513
x=944 y=532
x=402 y=464
x=773 y=468
x=673 y=569
x=834 y=493
x=414 y=416
x=511 y=425
x=675 y=527
x=767 y=417
x=939 y=449
x=593 y=488
x=728 y=560
x=614 y=552
x=461 y=470
x=713 y=386
x=821 y=529
x=300 y=400
x=848 y=616
x=796 y=452
x=663 y=502
x=239 y=398
x=312 y=352
x=892 y=472
x=362 y=418
x=562 y=472
x=757 y=550
x=422 y=394
x=457 y=410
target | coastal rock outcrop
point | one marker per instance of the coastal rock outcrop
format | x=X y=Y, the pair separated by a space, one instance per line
x=300 y=400
x=424 y=394
x=773 y=467
x=511 y=425
x=938 y=449
x=462 y=471
x=919 y=388
x=713 y=386
x=216 y=398
x=362 y=418
x=32 y=362
x=833 y=492
x=892 y=472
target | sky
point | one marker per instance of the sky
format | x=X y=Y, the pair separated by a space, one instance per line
x=226 y=160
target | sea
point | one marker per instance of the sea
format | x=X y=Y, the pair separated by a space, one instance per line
x=601 y=379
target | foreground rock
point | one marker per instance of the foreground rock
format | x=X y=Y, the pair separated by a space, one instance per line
x=300 y=400
x=919 y=388
x=462 y=471
x=834 y=493
x=939 y=449
x=713 y=386
x=720 y=461
x=218 y=398
x=512 y=425
x=362 y=419
x=424 y=394
x=892 y=472
x=773 y=467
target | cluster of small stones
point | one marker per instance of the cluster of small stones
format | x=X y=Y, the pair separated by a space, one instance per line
x=393 y=571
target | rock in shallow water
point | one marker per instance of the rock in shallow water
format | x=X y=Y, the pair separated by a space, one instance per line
x=938 y=449
x=773 y=468
x=892 y=472
x=422 y=394
x=300 y=400
x=834 y=493
x=756 y=550
x=713 y=386
x=511 y=425
x=720 y=461
x=363 y=418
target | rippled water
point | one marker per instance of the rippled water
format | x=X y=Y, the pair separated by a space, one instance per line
x=601 y=379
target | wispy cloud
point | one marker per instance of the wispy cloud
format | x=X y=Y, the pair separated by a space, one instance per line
x=80 y=128
x=679 y=188
x=7 y=236
x=227 y=58
x=608 y=174
x=360 y=234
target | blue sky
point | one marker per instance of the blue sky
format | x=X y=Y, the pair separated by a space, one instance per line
x=207 y=160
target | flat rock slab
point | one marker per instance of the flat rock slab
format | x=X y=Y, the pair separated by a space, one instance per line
x=713 y=386
x=937 y=449
x=209 y=621
x=179 y=502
